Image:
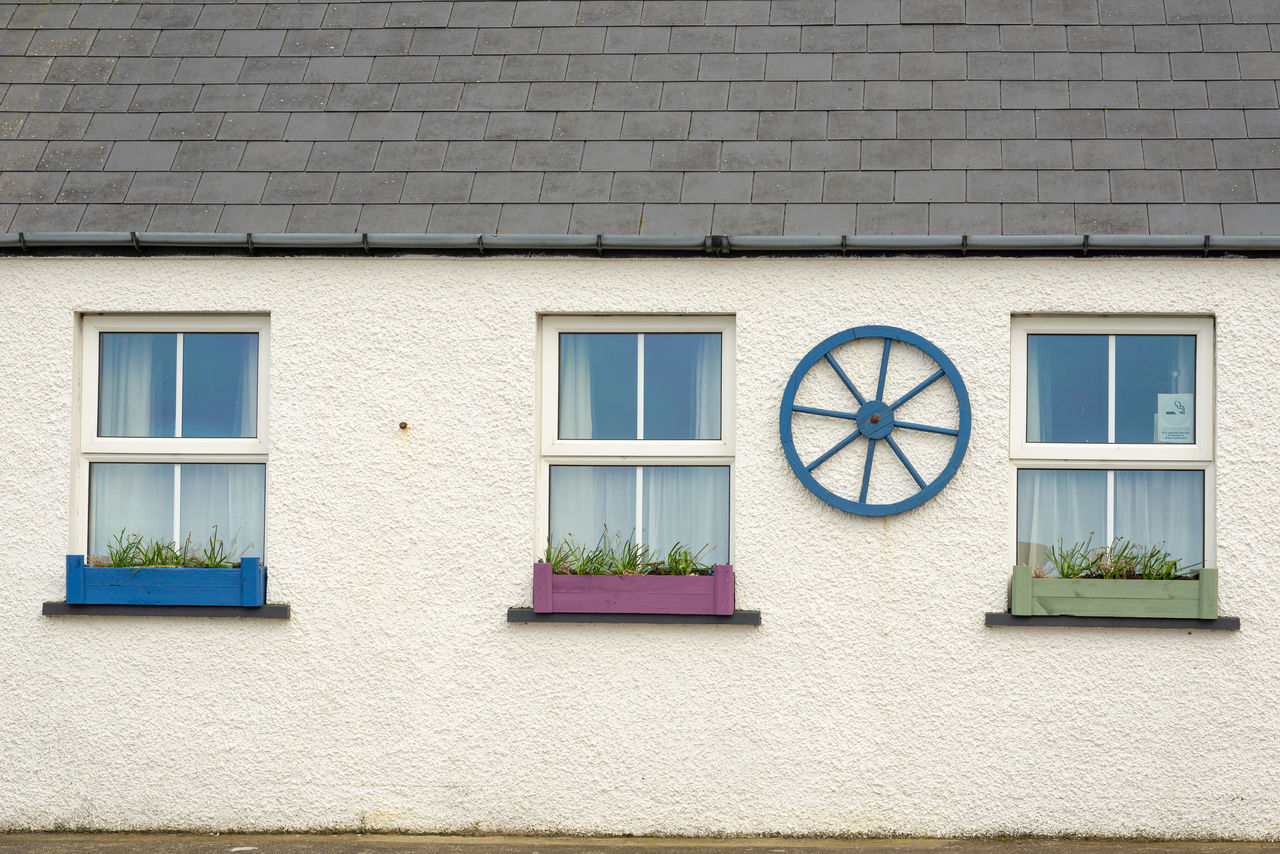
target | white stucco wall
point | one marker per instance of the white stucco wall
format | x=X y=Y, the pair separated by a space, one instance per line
x=872 y=700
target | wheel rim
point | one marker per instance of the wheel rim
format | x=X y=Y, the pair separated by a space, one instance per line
x=875 y=421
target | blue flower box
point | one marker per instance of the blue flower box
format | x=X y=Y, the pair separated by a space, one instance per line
x=245 y=585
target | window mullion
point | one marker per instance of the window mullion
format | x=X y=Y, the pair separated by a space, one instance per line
x=640 y=385
x=1111 y=389
x=177 y=397
x=640 y=505
x=1111 y=506
x=177 y=502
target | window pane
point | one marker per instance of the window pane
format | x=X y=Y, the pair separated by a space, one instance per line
x=688 y=505
x=1150 y=370
x=598 y=375
x=220 y=384
x=137 y=383
x=1067 y=388
x=682 y=386
x=133 y=498
x=585 y=500
x=230 y=497
x=1162 y=507
x=1059 y=507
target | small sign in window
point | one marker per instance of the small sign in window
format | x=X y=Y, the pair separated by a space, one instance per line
x=1175 y=418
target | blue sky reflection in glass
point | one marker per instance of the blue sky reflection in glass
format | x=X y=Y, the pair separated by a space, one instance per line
x=639 y=385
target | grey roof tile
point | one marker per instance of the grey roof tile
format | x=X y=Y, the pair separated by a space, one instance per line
x=208 y=156
x=360 y=15
x=605 y=219
x=423 y=13
x=745 y=95
x=1034 y=153
x=227 y=16
x=1064 y=11
x=115 y=218
x=81 y=69
x=138 y=155
x=525 y=125
x=187 y=217
x=47 y=217
x=25 y=187
x=451 y=126
x=464 y=219
x=263 y=156
x=645 y=187
x=1054 y=185
x=611 y=12
x=1131 y=11
x=896 y=155
x=251 y=43
x=1030 y=94
x=395 y=156
x=465 y=69
x=357 y=96
x=768 y=39
x=288 y=188
x=718 y=186
x=840 y=39
x=576 y=186
x=314 y=43
x=676 y=219
x=1167 y=39
x=658 y=125
x=1000 y=185
x=208 y=70
x=74 y=125
x=964 y=219
x=723 y=126
x=1242 y=94
x=585 y=125
x=231 y=188
x=802 y=12
x=869 y=11
x=85 y=187
x=1106 y=94
x=403 y=69
x=1038 y=218
x=145 y=70
x=893 y=219
x=623 y=156
x=165 y=17
x=162 y=187
x=858 y=187
x=1186 y=219
x=1208 y=124
x=938 y=185
x=933 y=11
x=324 y=219
x=829 y=95
x=967 y=154
x=967 y=94
x=747 y=219
x=393 y=219
x=639 y=40
x=254 y=217
x=77 y=156
x=802 y=218
x=546 y=13
x=1111 y=219
x=377 y=43
x=24 y=69
x=436 y=187
x=99 y=98
x=585 y=68
x=253 y=125
x=932 y=66
x=1197 y=11
x=1139 y=124
x=825 y=155
x=518 y=187
x=1226 y=185
x=752 y=156
x=1106 y=153
x=124 y=42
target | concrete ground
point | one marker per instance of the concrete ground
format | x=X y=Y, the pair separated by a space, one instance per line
x=176 y=843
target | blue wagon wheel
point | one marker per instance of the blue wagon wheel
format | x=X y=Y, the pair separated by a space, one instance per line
x=876 y=421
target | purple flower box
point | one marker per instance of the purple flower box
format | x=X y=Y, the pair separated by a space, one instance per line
x=244 y=585
x=633 y=594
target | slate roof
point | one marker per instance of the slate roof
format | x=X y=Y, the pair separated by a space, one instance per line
x=643 y=116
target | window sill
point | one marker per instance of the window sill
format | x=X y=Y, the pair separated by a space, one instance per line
x=1003 y=619
x=267 y=612
x=737 y=618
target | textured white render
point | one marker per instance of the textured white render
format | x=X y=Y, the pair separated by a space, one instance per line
x=872 y=700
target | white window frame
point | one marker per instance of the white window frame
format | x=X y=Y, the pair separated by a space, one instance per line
x=629 y=452
x=92 y=448
x=1115 y=456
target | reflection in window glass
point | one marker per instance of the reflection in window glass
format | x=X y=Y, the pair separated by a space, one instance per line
x=138 y=498
x=1148 y=366
x=129 y=498
x=137 y=383
x=1067 y=388
x=689 y=506
x=1059 y=507
x=585 y=500
x=1162 y=507
x=682 y=386
x=219 y=384
x=598 y=375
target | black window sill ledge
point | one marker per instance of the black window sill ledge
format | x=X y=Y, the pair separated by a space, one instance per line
x=266 y=612
x=1000 y=619
x=738 y=618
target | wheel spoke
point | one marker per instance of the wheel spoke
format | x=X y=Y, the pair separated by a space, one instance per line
x=906 y=462
x=845 y=379
x=830 y=413
x=926 y=428
x=884 y=369
x=866 y=471
x=924 y=385
x=837 y=448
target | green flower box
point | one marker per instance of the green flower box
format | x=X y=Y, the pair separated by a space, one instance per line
x=1195 y=599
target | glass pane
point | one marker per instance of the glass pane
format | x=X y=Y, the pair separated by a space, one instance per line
x=1162 y=507
x=129 y=498
x=231 y=498
x=1059 y=507
x=220 y=384
x=688 y=505
x=682 y=386
x=1155 y=388
x=587 y=500
x=137 y=383
x=597 y=386
x=1067 y=388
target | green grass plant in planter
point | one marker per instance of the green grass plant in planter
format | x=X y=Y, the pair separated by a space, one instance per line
x=622 y=557
x=1122 y=579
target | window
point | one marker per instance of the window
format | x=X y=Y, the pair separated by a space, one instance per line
x=637 y=431
x=172 y=443
x=1112 y=434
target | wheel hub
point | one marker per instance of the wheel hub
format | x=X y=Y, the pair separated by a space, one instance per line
x=875 y=419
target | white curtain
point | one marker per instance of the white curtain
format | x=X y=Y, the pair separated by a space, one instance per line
x=585 y=499
x=136 y=498
x=232 y=497
x=688 y=505
x=220 y=384
x=137 y=377
x=575 y=387
x=706 y=372
x=1162 y=507
x=1059 y=505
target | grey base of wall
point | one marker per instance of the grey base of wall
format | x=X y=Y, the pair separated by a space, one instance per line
x=738 y=618
x=266 y=612
x=1000 y=618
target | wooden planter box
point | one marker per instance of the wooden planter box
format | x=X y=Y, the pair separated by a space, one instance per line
x=633 y=594
x=245 y=585
x=1109 y=597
